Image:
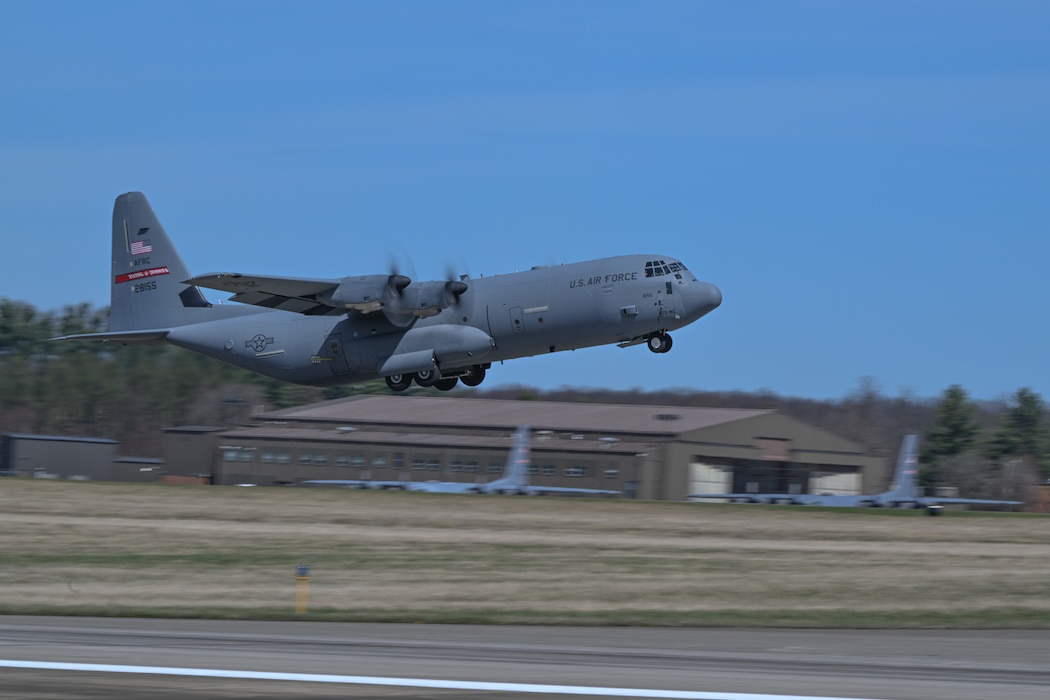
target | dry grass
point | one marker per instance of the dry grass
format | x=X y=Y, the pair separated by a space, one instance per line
x=117 y=549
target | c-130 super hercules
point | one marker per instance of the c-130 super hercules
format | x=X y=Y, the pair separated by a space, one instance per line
x=334 y=331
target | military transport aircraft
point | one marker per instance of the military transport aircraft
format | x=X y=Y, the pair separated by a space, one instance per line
x=434 y=333
x=514 y=482
x=902 y=493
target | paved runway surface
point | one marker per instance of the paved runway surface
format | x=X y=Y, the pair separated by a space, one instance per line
x=890 y=665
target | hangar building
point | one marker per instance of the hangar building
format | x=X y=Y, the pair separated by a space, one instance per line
x=648 y=452
x=71 y=457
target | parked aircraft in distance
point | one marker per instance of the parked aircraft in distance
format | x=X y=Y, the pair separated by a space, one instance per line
x=515 y=479
x=434 y=333
x=903 y=491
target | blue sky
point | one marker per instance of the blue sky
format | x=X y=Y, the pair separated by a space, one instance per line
x=868 y=182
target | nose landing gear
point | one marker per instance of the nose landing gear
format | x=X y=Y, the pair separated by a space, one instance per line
x=659 y=342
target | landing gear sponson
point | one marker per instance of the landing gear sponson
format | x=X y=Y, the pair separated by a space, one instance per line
x=658 y=342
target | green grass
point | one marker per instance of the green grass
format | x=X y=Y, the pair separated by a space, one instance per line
x=154 y=550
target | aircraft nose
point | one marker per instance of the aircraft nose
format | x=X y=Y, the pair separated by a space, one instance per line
x=704 y=297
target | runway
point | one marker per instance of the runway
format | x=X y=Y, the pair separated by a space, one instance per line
x=489 y=663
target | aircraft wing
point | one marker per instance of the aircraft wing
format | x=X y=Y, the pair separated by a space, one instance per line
x=422 y=486
x=356 y=483
x=751 y=497
x=444 y=487
x=540 y=490
x=296 y=294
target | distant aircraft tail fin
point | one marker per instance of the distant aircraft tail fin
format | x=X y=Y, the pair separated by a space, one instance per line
x=516 y=470
x=905 y=477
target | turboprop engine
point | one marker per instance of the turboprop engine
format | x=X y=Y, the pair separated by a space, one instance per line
x=368 y=293
x=396 y=296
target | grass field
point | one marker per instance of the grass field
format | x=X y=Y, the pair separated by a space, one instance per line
x=227 y=552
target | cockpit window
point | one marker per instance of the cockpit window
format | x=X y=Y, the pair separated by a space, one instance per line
x=659 y=268
x=655 y=268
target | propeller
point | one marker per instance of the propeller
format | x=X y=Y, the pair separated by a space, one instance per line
x=397 y=283
x=456 y=285
x=401 y=300
x=454 y=289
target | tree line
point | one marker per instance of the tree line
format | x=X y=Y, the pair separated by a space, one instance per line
x=994 y=449
x=128 y=393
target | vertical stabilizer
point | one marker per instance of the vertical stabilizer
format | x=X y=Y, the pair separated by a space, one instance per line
x=146 y=283
x=906 y=473
x=516 y=470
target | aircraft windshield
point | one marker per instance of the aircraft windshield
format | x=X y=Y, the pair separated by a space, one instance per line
x=659 y=268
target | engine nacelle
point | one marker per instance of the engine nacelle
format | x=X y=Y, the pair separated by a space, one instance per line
x=422 y=300
x=401 y=301
x=368 y=293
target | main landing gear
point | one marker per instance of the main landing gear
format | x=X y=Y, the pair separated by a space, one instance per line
x=659 y=342
x=471 y=376
x=399 y=382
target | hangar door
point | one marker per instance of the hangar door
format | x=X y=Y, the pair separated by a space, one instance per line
x=825 y=482
x=709 y=478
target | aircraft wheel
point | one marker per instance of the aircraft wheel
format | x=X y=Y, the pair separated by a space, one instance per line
x=399 y=382
x=474 y=377
x=446 y=383
x=659 y=342
x=426 y=378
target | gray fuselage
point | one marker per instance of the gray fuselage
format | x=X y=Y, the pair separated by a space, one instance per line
x=547 y=309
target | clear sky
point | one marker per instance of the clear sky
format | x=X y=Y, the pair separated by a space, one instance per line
x=867 y=182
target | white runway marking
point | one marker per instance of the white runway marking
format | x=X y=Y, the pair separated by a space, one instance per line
x=406 y=682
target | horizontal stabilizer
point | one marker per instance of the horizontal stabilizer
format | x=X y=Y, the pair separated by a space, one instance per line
x=142 y=337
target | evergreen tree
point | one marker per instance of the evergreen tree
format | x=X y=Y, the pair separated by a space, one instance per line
x=22 y=329
x=1023 y=433
x=954 y=428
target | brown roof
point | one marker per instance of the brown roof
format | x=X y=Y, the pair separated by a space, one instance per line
x=371 y=437
x=493 y=413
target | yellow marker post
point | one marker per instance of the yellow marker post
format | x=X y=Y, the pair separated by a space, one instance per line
x=302 y=588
